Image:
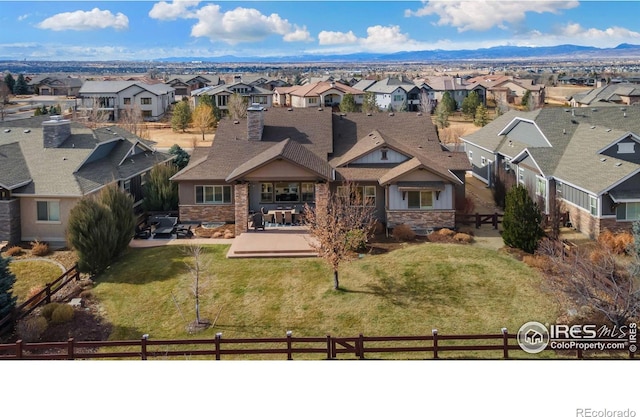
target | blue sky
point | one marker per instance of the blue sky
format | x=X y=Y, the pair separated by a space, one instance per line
x=140 y=30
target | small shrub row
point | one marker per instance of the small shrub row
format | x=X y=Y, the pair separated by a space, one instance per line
x=618 y=243
x=57 y=312
x=403 y=233
x=39 y=248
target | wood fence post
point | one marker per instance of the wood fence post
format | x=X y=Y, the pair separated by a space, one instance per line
x=289 y=353
x=48 y=292
x=70 y=346
x=217 y=343
x=143 y=347
x=505 y=343
x=333 y=349
x=434 y=332
x=360 y=348
x=19 y=349
x=329 y=353
x=495 y=220
x=477 y=220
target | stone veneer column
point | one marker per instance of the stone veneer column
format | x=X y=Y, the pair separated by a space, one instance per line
x=10 y=221
x=241 y=199
x=322 y=196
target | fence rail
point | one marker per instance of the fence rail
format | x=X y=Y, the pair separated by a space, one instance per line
x=478 y=219
x=38 y=299
x=328 y=347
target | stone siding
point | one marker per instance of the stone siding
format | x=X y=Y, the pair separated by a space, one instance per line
x=241 y=197
x=10 y=221
x=207 y=213
x=418 y=219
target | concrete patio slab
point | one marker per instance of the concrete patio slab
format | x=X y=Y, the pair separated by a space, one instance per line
x=282 y=242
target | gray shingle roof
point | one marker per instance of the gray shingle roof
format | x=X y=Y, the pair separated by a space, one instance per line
x=14 y=171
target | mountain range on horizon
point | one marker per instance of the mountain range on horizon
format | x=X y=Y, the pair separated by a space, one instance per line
x=569 y=52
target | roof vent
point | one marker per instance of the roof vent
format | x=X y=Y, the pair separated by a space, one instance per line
x=109 y=129
x=236 y=122
x=624 y=114
x=290 y=109
x=319 y=108
x=593 y=127
x=369 y=114
x=390 y=114
x=131 y=161
x=603 y=159
x=27 y=130
x=419 y=113
x=618 y=164
x=564 y=131
x=608 y=130
x=7 y=130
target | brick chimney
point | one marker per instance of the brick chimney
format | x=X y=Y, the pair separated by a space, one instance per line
x=255 y=122
x=55 y=131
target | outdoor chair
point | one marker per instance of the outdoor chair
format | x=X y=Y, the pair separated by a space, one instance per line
x=288 y=218
x=279 y=217
x=258 y=221
x=267 y=218
x=142 y=232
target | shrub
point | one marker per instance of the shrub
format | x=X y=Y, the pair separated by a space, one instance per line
x=32 y=293
x=356 y=240
x=403 y=233
x=446 y=232
x=618 y=243
x=39 y=248
x=62 y=314
x=31 y=328
x=463 y=238
x=521 y=221
x=47 y=310
x=14 y=251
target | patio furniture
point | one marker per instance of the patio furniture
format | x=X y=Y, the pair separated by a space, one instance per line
x=142 y=232
x=279 y=217
x=288 y=218
x=183 y=231
x=165 y=227
x=257 y=221
x=267 y=218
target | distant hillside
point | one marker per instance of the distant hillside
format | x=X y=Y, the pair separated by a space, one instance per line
x=495 y=53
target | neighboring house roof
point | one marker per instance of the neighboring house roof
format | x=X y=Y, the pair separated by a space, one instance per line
x=316 y=89
x=114 y=87
x=577 y=137
x=607 y=94
x=389 y=85
x=230 y=89
x=69 y=170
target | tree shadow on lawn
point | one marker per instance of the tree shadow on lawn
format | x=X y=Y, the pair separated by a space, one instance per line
x=407 y=289
x=142 y=266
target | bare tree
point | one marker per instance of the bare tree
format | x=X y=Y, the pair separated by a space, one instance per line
x=348 y=216
x=426 y=103
x=92 y=116
x=4 y=99
x=450 y=136
x=203 y=119
x=131 y=120
x=198 y=267
x=237 y=106
x=593 y=278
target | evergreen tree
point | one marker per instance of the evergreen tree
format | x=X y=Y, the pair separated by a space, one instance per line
x=481 y=117
x=10 y=81
x=7 y=279
x=348 y=103
x=525 y=99
x=21 y=86
x=37 y=111
x=448 y=102
x=160 y=194
x=369 y=103
x=181 y=116
x=120 y=203
x=521 y=221
x=470 y=104
x=182 y=157
x=442 y=115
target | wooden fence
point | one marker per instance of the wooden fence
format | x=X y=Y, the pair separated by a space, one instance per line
x=494 y=219
x=38 y=299
x=329 y=347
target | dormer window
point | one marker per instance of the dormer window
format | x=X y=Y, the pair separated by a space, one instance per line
x=383 y=154
x=626 y=147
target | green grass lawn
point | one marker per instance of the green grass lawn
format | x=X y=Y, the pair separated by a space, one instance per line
x=32 y=274
x=453 y=288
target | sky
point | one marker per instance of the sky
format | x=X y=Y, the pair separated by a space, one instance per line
x=147 y=30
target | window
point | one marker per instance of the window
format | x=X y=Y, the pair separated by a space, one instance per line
x=48 y=211
x=260 y=99
x=420 y=199
x=222 y=100
x=628 y=211
x=627 y=147
x=308 y=192
x=483 y=161
x=397 y=97
x=593 y=205
x=145 y=100
x=541 y=187
x=127 y=101
x=521 y=175
x=507 y=164
x=213 y=194
x=383 y=156
x=266 y=192
x=471 y=156
x=313 y=100
x=361 y=195
x=126 y=186
x=287 y=191
x=146 y=114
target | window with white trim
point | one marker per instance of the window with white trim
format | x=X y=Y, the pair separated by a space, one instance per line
x=145 y=100
x=628 y=211
x=521 y=175
x=361 y=195
x=48 y=211
x=483 y=161
x=471 y=156
x=420 y=199
x=541 y=187
x=213 y=194
x=593 y=205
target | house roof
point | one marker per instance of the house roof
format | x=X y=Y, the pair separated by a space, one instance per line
x=64 y=171
x=315 y=89
x=320 y=140
x=607 y=93
x=113 y=87
x=577 y=137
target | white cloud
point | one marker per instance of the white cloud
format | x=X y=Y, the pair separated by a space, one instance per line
x=485 y=14
x=298 y=35
x=574 y=33
x=243 y=25
x=81 y=20
x=336 y=38
x=23 y=17
x=174 y=10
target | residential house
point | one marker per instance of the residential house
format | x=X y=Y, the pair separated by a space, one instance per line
x=323 y=93
x=221 y=94
x=112 y=97
x=48 y=164
x=185 y=84
x=587 y=158
x=508 y=90
x=609 y=95
x=457 y=88
x=297 y=156
x=395 y=93
x=59 y=86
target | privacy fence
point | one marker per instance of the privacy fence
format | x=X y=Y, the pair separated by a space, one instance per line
x=434 y=346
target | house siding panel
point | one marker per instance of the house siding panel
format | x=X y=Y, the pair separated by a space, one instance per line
x=375 y=157
x=443 y=202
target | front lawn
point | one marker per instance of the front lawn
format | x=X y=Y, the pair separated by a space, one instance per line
x=456 y=289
